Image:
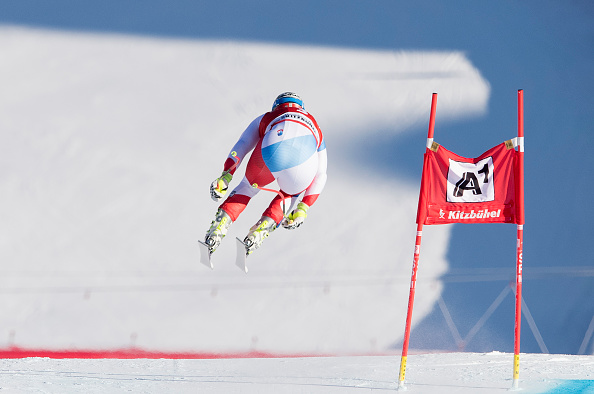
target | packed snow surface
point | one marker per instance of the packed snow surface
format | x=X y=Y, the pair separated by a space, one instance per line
x=427 y=373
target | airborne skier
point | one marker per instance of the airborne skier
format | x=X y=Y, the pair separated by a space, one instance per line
x=288 y=147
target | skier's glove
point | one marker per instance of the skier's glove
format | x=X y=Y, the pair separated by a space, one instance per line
x=218 y=188
x=296 y=218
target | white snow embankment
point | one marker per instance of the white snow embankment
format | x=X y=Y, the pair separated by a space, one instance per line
x=109 y=143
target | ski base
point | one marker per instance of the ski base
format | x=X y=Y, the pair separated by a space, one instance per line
x=241 y=258
x=205 y=255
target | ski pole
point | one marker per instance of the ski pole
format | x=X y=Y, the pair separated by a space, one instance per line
x=280 y=194
x=235 y=164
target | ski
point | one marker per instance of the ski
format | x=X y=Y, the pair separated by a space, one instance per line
x=205 y=255
x=241 y=258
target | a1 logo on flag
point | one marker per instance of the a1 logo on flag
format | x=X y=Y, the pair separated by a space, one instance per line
x=471 y=182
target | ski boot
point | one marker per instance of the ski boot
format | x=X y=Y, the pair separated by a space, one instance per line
x=258 y=233
x=218 y=230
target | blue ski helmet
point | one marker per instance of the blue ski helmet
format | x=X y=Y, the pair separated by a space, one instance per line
x=287 y=97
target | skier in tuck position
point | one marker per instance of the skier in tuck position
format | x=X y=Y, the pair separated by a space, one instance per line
x=288 y=147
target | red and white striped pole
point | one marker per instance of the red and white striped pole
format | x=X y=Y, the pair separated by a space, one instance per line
x=413 y=279
x=520 y=241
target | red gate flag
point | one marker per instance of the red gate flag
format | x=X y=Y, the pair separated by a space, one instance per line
x=455 y=189
x=488 y=189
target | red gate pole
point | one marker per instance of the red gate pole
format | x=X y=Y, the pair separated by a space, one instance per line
x=520 y=241
x=413 y=279
x=411 y=300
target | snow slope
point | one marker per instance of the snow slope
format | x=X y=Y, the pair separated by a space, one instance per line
x=108 y=145
x=429 y=373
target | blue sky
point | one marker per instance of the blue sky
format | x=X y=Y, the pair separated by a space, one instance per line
x=544 y=47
